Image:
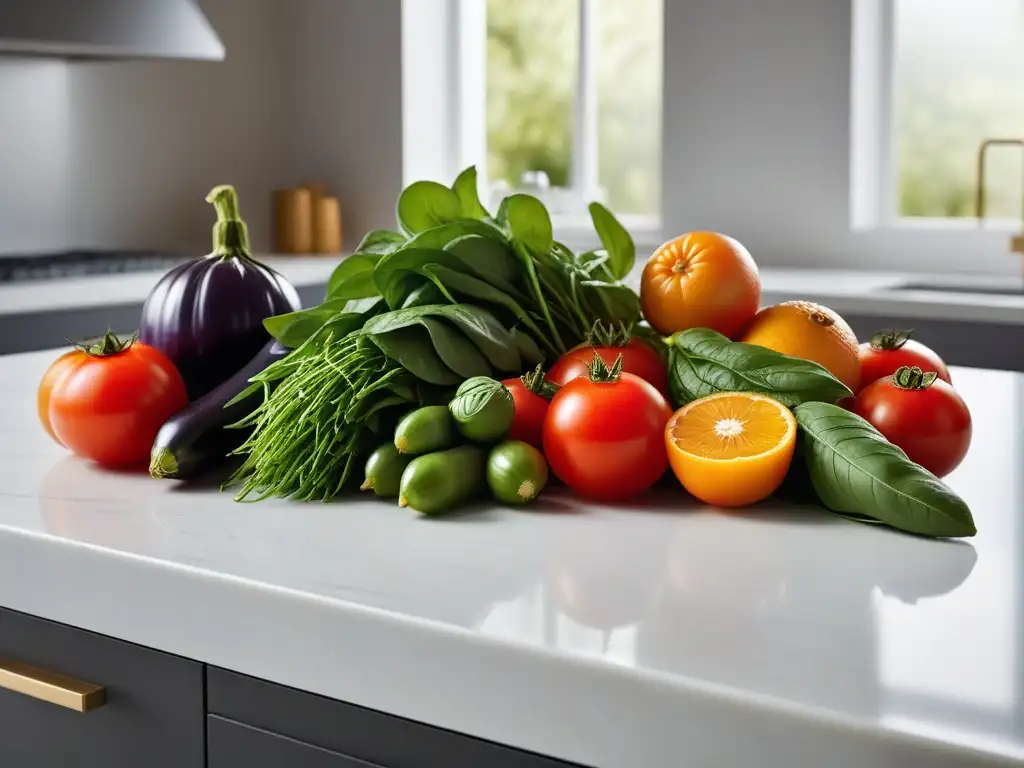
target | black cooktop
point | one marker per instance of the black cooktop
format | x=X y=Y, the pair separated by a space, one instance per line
x=17 y=268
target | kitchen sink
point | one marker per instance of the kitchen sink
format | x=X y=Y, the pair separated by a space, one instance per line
x=993 y=290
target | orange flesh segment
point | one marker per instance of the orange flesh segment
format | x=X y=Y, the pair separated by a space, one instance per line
x=731 y=427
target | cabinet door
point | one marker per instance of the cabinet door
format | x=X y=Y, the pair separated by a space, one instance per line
x=231 y=744
x=150 y=711
x=355 y=732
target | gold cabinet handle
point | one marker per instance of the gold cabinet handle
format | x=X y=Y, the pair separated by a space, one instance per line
x=50 y=686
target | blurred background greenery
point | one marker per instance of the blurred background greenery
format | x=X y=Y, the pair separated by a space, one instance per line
x=959 y=78
x=532 y=60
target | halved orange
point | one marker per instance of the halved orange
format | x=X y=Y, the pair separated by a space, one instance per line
x=731 y=449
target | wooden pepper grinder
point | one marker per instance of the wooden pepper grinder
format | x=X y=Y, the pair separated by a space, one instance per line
x=293 y=220
x=326 y=224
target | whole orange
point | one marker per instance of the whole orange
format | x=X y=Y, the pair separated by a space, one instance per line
x=810 y=331
x=700 y=280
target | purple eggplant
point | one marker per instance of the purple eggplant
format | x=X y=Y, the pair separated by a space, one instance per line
x=207 y=315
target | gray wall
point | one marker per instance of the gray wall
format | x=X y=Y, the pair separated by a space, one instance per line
x=757 y=126
x=33 y=155
x=149 y=139
x=345 y=105
x=121 y=153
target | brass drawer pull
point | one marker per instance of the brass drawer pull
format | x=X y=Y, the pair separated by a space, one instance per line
x=52 y=687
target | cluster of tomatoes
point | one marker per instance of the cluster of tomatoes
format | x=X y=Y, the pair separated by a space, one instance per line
x=603 y=430
x=907 y=395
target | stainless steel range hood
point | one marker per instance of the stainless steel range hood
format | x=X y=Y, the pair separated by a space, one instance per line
x=165 y=29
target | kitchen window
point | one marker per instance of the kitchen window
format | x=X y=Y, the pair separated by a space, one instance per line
x=559 y=98
x=933 y=79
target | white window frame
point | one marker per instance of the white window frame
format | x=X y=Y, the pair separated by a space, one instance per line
x=874 y=168
x=444 y=62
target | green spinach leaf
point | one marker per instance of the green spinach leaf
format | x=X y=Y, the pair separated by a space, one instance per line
x=612 y=303
x=294 y=328
x=443 y=235
x=857 y=472
x=465 y=188
x=615 y=239
x=380 y=241
x=426 y=204
x=353 y=277
x=703 y=362
x=412 y=348
x=481 y=328
x=399 y=273
x=529 y=352
x=528 y=221
x=489 y=260
x=458 y=285
x=457 y=352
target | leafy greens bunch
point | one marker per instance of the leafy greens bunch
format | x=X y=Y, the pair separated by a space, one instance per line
x=456 y=293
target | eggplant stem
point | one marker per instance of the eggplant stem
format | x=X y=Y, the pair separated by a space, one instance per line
x=230 y=233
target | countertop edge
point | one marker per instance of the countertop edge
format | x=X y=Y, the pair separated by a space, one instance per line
x=553 y=705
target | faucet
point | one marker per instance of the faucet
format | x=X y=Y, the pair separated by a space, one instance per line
x=1016 y=242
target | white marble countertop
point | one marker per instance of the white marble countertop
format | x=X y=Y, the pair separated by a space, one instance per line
x=849 y=291
x=651 y=636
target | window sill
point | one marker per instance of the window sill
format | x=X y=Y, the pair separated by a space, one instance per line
x=958 y=225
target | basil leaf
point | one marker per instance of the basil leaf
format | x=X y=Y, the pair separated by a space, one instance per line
x=703 y=362
x=857 y=472
x=474 y=395
x=426 y=204
x=615 y=239
x=380 y=241
x=294 y=328
x=528 y=221
x=465 y=188
x=353 y=277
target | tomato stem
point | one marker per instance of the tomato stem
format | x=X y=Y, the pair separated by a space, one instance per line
x=913 y=378
x=109 y=344
x=891 y=339
x=535 y=382
x=601 y=335
x=600 y=373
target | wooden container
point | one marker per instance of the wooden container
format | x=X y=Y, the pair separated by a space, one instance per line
x=326 y=225
x=293 y=220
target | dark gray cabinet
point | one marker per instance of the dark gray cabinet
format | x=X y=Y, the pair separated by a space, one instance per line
x=343 y=730
x=162 y=711
x=236 y=744
x=153 y=715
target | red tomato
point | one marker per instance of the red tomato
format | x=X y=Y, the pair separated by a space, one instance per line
x=606 y=439
x=53 y=374
x=928 y=420
x=108 y=402
x=889 y=350
x=638 y=358
x=531 y=400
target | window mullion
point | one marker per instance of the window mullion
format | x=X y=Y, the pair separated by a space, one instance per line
x=585 y=138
